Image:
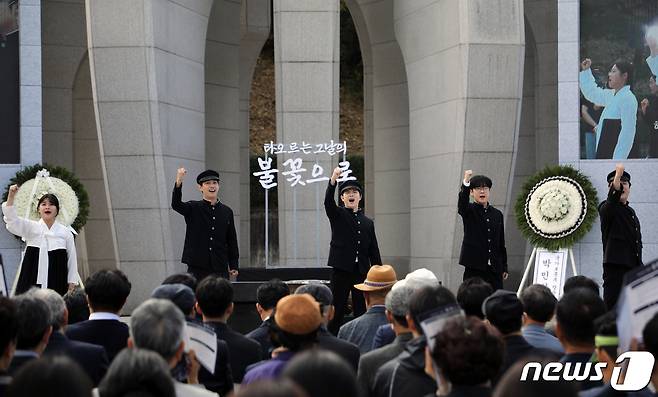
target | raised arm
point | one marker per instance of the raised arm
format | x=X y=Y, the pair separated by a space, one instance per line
x=177 y=203
x=588 y=86
x=16 y=225
x=652 y=60
x=463 y=201
x=330 y=206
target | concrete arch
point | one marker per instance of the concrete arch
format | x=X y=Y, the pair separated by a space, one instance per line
x=386 y=134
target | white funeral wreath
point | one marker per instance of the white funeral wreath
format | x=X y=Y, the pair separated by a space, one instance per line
x=555 y=207
x=30 y=192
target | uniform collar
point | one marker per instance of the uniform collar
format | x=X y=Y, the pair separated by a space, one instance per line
x=209 y=203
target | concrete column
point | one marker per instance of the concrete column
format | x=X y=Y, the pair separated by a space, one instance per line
x=147 y=74
x=254 y=31
x=306 y=42
x=464 y=64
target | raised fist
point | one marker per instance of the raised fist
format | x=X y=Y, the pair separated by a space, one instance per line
x=586 y=64
x=467 y=175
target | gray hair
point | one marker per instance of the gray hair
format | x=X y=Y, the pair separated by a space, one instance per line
x=158 y=325
x=55 y=304
x=397 y=301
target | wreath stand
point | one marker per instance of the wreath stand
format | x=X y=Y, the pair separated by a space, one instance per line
x=531 y=264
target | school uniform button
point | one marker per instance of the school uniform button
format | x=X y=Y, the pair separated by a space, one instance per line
x=358 y=222
x=212 y=228
x=487 y=219
x=210 y=249
x=488 y=230
x=210 y=238
x=359 y=231
x=358 y=242
x=213 y=217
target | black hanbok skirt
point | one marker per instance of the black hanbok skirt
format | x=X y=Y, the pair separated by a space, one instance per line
x=57 y=270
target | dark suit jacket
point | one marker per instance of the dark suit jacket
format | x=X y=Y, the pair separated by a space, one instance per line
x=373 y=360
x=484 y=235
x=517 y=348
x=221 y=381
x=111 y=334
x=92 y=358
x=352 y=236
x=348 y=351
x=17 y=362
x=262 y=336
x=243 y=351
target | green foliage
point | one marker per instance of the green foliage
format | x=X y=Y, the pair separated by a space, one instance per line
x=571 y=239
x=67 y=176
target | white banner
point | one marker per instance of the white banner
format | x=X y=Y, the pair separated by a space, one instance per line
x=551 y=269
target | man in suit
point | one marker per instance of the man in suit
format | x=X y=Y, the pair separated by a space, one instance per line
x=268 y=295
x=215 y=304
x=361 y=331
x=353 y=248
x=326 y=340
x=397 y=305
x=483 y=253
x=107 y=291
x=92 y=358
x=158 y=325
x=8 y=332
x=34 y=330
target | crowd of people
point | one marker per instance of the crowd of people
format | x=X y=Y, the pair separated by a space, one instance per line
x=416 y=338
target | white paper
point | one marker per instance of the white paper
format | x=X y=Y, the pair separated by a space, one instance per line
x=550 y=269
x=638 y=303
x=203 y=341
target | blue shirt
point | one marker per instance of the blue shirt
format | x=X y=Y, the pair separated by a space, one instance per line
x=537 y=336
x=620 y=105
x=269 y=369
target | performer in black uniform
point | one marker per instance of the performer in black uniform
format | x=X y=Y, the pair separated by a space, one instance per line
x=353 y=248
x=483 y=252
x=620 y=233
x=211 y=244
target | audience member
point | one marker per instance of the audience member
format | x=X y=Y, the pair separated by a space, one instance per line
x=470 y=295
x=8 y=333
x=504 y=311
x=91 y=358
x=322 y=374
x=466 y=357
x=297 y=319
x=271 y=388
x=215 y=304
x=107 y=291
x=416 y=279
x=56 y=376
x=397 y=306
x=650 y=340
x=510 y=385
x=575 y=314
x=326 y=340
x=34 y=330
x=182 y=278
x=180 y=295
x=76 y=304
x=267 y=296
x=137 y=373
x=405 y=375
x=574 y=282
x=607 y=343
x=159 y=326
x=538 y=309
x=361 y=331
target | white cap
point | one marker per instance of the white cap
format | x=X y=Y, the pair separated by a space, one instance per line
x=417 y=278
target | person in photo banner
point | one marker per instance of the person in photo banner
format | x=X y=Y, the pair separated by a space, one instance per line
x=649 y=109
x=483 y=253
x=211 y=243
x=620 y=234
x=615 y=132
x=353 y=248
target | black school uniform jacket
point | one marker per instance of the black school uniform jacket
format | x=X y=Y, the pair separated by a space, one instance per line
x=620 y=232
x=210 y=239
x=352 y=236
x=484 y=235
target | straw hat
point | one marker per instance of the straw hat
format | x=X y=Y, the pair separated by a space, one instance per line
x=379 y=277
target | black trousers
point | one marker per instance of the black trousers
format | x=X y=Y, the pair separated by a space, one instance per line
x=613 y=278
x=202 y=272
x=342 y=283
x=489 y=275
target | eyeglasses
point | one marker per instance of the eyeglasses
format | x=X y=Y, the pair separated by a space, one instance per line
x=482 y=188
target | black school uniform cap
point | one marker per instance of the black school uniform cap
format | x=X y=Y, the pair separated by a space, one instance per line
x=207 y=175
